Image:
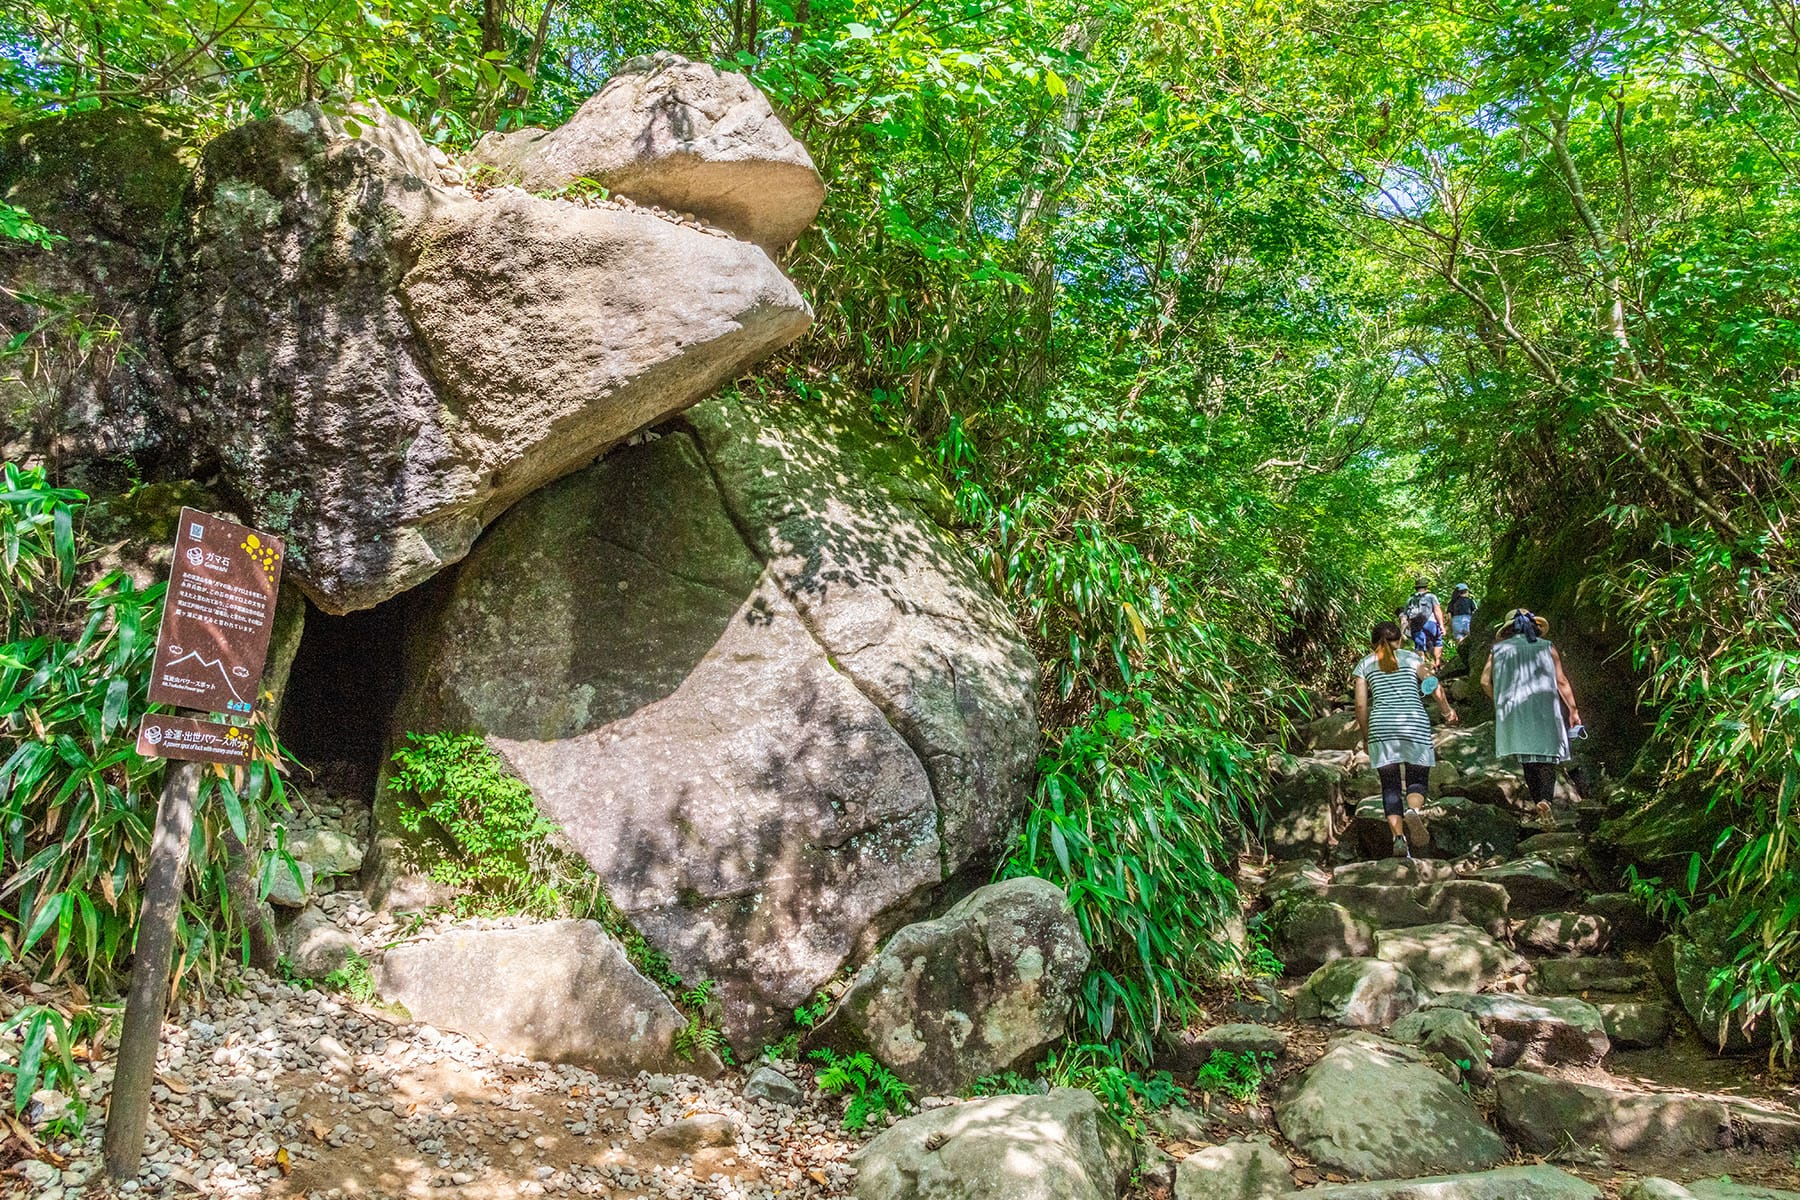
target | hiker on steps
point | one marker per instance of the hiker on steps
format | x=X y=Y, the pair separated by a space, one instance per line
x=1534 y=705
x=1424 y=622
x=1390 y=714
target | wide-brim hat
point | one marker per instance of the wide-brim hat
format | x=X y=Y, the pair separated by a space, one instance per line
x=1543 y=623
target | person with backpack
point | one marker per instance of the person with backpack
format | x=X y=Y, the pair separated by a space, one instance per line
x=1462 y=613
x=1425 y=623
x=1534 y=705
x=1396 y=732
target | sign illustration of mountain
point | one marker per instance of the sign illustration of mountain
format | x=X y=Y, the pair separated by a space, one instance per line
x=218 y=615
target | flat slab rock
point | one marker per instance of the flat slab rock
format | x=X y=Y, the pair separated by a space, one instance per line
x=1252 y=1170
x=1060 y=1146
x=1374 y=1109
x=1449 y=957
x=1547 y=1115
x=1535 y=1030
x=1508 y=1183
x=562 y=991
x=1573 y=976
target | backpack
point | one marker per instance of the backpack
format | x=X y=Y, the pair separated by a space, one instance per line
x=1418 y=611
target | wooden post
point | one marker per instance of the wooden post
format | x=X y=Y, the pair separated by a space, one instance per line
x=128 y=1109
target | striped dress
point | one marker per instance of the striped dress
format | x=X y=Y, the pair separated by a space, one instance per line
x=1399 y=730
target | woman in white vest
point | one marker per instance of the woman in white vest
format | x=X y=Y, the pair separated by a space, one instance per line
x=1534 y=706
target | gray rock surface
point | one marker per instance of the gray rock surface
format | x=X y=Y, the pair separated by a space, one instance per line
x=1636 y=1024
x=1533 y=886
x=985 y=988
x=1575 y=976
x=1535 y=1030
x=1307 y=932
x=1724 y=1189
x=285 y=891
x=327 y=851
x=562 y=991
x=383 y=365
x=1448 y=957
x=766 y=1083
x=1374 y=1109
x=1547 y=1116
x=1334 y=731
x=312 y=944
x=682 y=135
x=1252 y=1170
x=1061 y=1146
x=1507 y=1183
x=1451 y=1033
x=1459 y=827
x=1192 y=1049
x=1358 y=992
x=1704 y=942
x=765 y=695
x=1565 y=933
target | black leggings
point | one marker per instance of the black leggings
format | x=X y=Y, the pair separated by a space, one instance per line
x=1397 y=779
x=1540 y=778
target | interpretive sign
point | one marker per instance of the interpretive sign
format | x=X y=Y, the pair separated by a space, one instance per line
x=198 y=741
x=218 y=615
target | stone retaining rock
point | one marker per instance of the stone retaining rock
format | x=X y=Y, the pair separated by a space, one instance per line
x=1448 y=957
x=1373 y=1109
x=313 y=945
x=1702 y=944
x=1535 y=1030
x=681 y=135
x=1507 y=1183
x=562 y=991
x=1061 y=1146
x=983 y=989
x=1547 y=1116
x=1190 y=1050
x=1636 y=1025
x=1358 y=992
x=1252 y=1170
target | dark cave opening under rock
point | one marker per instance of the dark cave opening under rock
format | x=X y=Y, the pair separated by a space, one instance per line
x=346 y=679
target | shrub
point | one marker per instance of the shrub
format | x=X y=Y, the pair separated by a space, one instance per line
x=1239 y=1076
x=872 y=1088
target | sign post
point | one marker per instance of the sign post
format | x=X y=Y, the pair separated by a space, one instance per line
x=217 y=618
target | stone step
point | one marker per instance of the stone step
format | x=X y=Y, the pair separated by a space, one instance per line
x=1535 y=1030
x=1574 y=976
x=1550 y=1116
x=1654 y=1188
x=1568 y=934
x=1508 y=1183
x=1449 y=957
x=1634 y=1025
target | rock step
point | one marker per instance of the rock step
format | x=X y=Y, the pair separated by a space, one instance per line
x=1548 y=1116
x=1508 y=1183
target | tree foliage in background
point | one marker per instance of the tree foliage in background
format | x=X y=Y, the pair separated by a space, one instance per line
x=1225 y=318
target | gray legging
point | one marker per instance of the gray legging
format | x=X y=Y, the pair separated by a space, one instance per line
x=1398 y=779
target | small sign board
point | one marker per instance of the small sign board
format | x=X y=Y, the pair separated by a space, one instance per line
x=200 y=741
x=218 y=615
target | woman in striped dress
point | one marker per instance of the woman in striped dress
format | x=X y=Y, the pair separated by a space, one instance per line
x=1390 y=712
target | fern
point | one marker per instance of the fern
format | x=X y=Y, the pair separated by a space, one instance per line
x=872 y=1088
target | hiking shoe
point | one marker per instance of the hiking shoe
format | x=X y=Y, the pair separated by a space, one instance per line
x=1418 y=835
x=1400 y=850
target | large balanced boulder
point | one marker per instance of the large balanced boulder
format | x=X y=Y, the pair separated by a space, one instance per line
x=1060 y=1146
x=383 y=364
x=1376 y=1110
x=1535 y=1030
x=562 y=991
x=1363 y=993
x=681 y=135
x=763 y=693
x=985 y=988
x=1547 y=1115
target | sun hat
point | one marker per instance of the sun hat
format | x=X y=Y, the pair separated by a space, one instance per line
x=1462 y=587
x=1421 y=583
x=1543 y=623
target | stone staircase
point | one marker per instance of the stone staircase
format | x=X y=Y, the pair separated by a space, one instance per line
x=1478 y=1011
